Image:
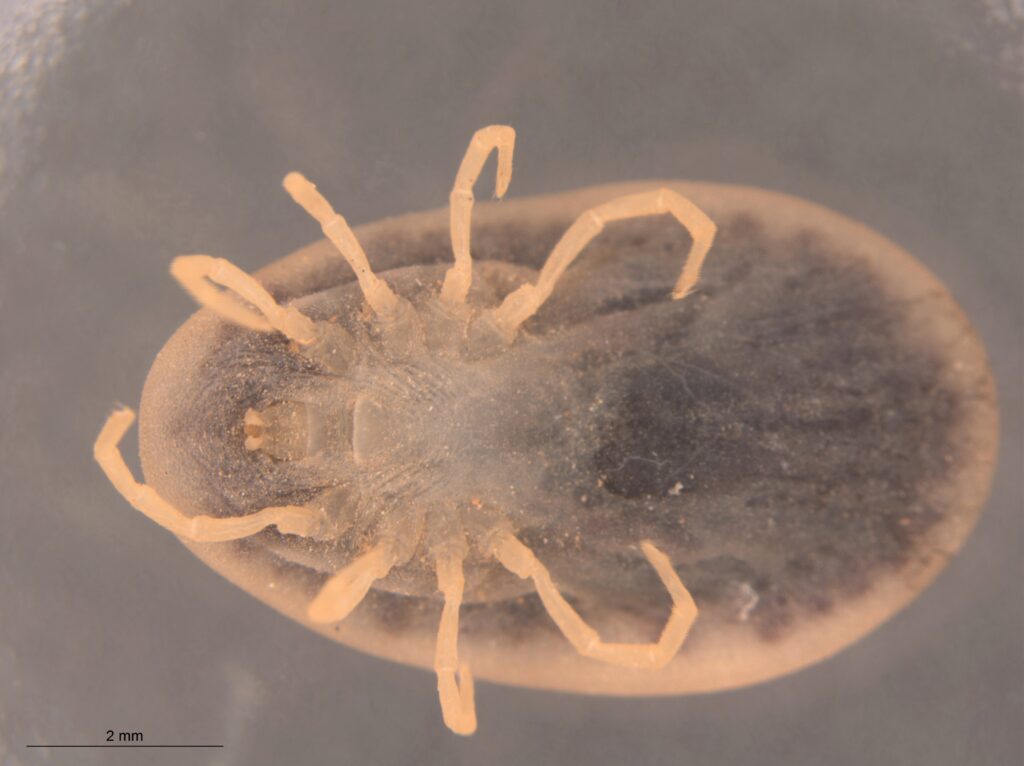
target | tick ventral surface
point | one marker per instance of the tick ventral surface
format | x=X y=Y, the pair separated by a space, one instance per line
x=808 y=437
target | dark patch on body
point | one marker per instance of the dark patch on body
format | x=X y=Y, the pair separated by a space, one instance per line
x=776 y=434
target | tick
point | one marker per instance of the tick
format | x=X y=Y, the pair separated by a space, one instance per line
x=732 y=471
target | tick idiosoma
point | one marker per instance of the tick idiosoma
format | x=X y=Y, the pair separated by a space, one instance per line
x=605 y=475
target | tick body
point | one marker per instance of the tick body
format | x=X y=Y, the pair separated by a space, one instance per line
x=634 y=475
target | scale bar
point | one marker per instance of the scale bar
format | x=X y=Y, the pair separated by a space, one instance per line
x=116 y=746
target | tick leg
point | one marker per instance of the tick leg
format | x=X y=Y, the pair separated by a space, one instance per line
x=196 y=273
x=521 y=561
x=289 y=519
x=460 y=203
x=457 y=706
x=524 y=302
x=376 y=291
x=346 y=589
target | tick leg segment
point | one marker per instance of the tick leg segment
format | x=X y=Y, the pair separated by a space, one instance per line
x=457 y=705
x=346 y=589
x=376 y=291
x=289 y=519
x=460 y=203
x=197 y=272
x=521 y=561
x=524 y=302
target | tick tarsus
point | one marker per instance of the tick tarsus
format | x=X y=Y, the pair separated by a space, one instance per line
x=197 y=272
x=521 y=561
x=378 y=295
x=405 y=333
x=525 y=301
x=289 y=519
x=458 y=707
x=500 y=138
x=343 y=591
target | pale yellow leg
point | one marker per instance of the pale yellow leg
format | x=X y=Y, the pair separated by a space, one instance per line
x=457 y=704
x=524 y=302
x=376 y=291
x=347 y=588
x=197 y=272
x=460 y=203
x=520 y=560
x=289 y=519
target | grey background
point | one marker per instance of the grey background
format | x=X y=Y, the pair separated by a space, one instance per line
x=131 y=132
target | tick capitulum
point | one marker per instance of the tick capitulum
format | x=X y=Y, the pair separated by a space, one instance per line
x=429 y=421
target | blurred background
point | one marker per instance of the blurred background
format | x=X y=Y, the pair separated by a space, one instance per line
x=132 y=131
